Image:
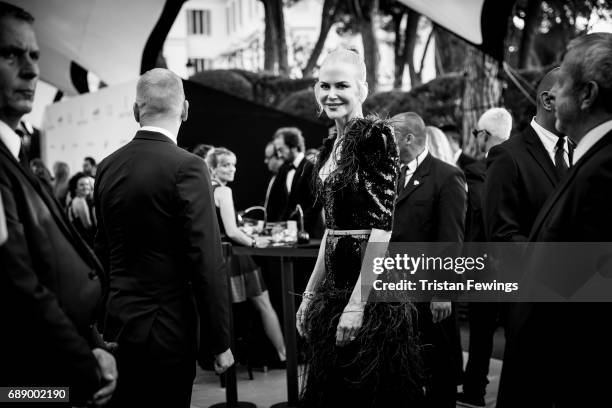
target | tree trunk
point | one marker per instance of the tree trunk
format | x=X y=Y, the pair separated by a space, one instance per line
x=398 y=51
x=367 y=28
x=482 y=91
x=451 y=51
x=409 y=44
x=281 y=37
x=532 y=19
x=270 y=33
x=327 y=20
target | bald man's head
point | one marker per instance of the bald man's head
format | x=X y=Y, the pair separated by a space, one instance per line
x=410 y=135
x=160 y=95
x=410 y=123
x=545 y=104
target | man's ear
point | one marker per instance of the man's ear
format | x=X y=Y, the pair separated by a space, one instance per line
x=588 y=95
x=185 y=112
x=547 y=100
x=136 y=112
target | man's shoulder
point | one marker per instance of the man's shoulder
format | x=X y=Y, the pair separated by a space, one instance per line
x=444 y=169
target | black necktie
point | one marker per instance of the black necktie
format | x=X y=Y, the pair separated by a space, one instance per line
x=560 y=164
x=402 y=179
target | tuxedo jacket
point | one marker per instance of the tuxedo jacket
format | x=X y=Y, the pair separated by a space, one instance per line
x=302 y=193
x=542 y=333
x=520 y=177
x=50 y=290
x=475 y=175
x=159 y=241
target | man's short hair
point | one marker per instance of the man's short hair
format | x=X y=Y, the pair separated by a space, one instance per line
x=292 y=137
x=202 y=149
x=593 y=62
x=160 y=92
x=9 y=10
x=90 y=160
x=496 y=121
x=410 y=122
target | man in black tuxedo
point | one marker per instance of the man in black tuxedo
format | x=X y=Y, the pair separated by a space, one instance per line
x=159 y=242
x=430 y=207
x=295 y=179
x=571 y=340
x=273 y=162
x=50 y=286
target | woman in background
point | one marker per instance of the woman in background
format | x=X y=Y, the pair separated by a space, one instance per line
x=246 y=279
x=439 y=146
x=80 y=208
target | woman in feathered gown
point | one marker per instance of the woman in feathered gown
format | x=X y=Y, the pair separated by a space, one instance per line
x=358 y=354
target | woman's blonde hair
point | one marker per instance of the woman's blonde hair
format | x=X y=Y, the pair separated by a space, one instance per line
x=352 y=57
x=438 y=145
x=213 y=155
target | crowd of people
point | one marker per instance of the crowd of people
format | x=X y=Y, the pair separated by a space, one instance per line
x=116 y=288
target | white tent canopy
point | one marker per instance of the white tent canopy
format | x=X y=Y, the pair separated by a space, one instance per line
x=106 y=37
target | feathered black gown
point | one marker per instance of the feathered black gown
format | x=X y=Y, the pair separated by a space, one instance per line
x=381 y=367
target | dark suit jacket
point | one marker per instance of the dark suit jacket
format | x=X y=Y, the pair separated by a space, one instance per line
x=474 y=220
x=432 y=210
x=578 y=211
x=159 y=241
x=464 y=160
x=520 y=177
x=49 y=291
x=302 y=193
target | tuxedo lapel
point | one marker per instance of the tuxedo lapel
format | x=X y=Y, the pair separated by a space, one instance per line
x=299 y=172
x=540 y=155
x=417 y=179
x=537 y=226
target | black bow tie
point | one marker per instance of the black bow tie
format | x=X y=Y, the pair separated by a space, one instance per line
x=292 y=167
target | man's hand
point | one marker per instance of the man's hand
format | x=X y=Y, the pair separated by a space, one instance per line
x=224 y=361
x=108 y=370
x=440 y=310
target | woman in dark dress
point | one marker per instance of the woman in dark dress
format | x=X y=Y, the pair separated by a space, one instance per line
x=246 y=280
x=358 y=354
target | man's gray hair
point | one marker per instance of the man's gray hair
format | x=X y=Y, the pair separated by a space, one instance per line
x=496 y=121
x=160 y=93
x=592 y=61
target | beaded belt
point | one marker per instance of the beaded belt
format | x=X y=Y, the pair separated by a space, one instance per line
x=334 y=232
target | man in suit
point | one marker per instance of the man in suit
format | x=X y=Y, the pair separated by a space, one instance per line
x=274 y=162
x=50 y=286
x=159 y=242
x=493 y=128
x=430 y=207
x=571 y=340
x=296 y=177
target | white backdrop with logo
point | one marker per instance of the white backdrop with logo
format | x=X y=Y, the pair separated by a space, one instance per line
x=94 y=124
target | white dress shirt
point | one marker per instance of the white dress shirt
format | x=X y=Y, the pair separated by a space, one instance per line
x=10 y=139
x=291 y=173
x=413 y=165
x=592 y=137
x=163 y=131
x=549 y=140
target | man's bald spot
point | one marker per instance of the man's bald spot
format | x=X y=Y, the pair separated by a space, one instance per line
x=160 y=92
x=548 y=81
x=410 y=122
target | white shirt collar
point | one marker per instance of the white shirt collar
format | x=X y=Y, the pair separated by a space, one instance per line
x=163 y=131
x=298 y=159
x=548 y=138
x=10 y=138
x=414 y=164
x=457 y=154
x=592 y=137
